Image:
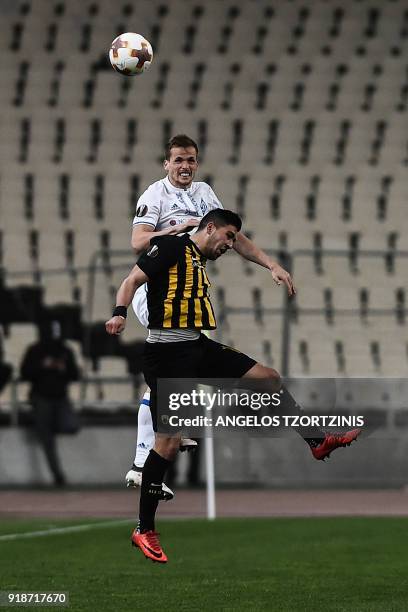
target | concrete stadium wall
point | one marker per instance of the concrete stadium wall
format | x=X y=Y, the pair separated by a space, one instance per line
x=102 y=455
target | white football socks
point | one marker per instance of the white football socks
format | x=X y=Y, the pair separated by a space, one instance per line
x=145 y=433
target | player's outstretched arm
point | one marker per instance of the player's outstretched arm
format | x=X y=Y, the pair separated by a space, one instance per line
x=142 y=233
x=247 y=249
x=124 y=296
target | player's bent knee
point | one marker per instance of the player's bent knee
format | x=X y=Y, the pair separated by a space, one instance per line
x=274 y=379
x=263 y=372
x=264 y=378
x=274 y=374
x=167 y=446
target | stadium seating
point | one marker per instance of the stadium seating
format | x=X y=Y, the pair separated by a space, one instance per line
x=298 y=109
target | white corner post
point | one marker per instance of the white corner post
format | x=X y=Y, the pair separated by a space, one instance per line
x=210 y=474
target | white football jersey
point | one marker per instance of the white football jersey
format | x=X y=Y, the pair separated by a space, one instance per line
x=162 y=205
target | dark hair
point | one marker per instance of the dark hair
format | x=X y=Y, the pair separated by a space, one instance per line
x=220 y=217
x=180 y=140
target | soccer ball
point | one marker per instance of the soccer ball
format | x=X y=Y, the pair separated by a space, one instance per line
x=130 y=54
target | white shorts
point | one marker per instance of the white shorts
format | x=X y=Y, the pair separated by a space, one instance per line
x=139 y=305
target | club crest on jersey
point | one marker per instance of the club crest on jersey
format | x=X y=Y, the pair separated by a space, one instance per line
x=141 y=210
x=196 y=262
x=203 y=206
x=153 y=251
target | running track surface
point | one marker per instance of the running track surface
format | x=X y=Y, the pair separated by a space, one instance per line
x=230 y=503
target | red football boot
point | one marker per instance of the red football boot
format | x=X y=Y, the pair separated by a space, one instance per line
x=149 y=544
x=332 y=441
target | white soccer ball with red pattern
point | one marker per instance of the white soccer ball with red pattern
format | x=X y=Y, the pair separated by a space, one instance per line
x=131 y=54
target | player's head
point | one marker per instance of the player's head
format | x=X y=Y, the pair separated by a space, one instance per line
x=217 y=232
x=181 y=162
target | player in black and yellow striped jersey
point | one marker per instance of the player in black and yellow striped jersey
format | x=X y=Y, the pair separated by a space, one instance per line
x=178 y=296
x=179 y=309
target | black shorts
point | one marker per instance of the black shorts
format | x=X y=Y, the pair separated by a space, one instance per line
x=202 y=358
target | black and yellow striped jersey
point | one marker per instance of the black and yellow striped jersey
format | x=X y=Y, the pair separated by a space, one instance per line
x=178 y=286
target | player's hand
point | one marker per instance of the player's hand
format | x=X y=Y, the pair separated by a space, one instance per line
x=115 y=325
x=187 y=226
x=280 y=276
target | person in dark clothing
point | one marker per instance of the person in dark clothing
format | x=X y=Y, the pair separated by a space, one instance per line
x=6 y=370
x=49 y=365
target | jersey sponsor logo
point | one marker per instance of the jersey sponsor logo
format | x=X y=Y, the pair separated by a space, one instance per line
x=153 y=251
x=141 y=210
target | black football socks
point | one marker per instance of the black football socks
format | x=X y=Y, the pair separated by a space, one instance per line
x=312 y=435
x=151 y=490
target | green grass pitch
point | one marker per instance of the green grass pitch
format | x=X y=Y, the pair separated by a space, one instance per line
x=330 y=564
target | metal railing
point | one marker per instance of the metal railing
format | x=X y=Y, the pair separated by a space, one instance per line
x=104 y=261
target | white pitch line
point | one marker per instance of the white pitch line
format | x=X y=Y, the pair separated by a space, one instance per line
x=62 y=530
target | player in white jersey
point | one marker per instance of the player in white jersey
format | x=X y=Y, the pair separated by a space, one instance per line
x=175 y=205
x=168 y=210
